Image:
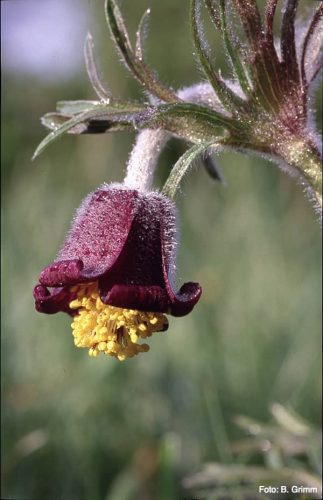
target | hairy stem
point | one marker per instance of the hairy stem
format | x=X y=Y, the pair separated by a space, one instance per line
x=149 y=143
x=303 y=156
x=143 y=159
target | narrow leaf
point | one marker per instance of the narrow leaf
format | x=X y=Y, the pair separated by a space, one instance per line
x=233 y=53
x=288 y=45
x=54 y=120
x=141 y=34
x=264 y=67
x=57 y=132
x=250 y=18
x=217 y=12
x=189 y=111
x=214 y=13
x=97 y=125
x=181 y=167
x=82 y=118
x=119 y=32
x=311 y=55
x=191 y=121
x=92 y=70
x=269 y=19
x=228 y=98
x=75 y=107
x=135 y=65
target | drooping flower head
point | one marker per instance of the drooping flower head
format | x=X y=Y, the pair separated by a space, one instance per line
x=114 y=273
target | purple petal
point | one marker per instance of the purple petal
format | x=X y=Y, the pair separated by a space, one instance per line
x=126 y=241
x=142 y=298
x=64 y=272
x=153 y=298
x=183 y=302
x=100 y=230
x=51 y=302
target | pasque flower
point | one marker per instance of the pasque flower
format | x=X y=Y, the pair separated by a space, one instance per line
x=114 y=273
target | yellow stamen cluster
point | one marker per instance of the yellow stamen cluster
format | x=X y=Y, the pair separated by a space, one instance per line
x=111 y=330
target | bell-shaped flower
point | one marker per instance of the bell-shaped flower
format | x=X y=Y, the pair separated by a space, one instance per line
x=115 y=271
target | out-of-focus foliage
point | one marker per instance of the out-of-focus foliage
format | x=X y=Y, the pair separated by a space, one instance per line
x=285 y=445
x=74 y=427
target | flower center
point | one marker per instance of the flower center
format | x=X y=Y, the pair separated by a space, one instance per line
x=111 y=330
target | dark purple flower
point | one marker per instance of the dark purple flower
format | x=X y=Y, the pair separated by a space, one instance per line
x=122 y=242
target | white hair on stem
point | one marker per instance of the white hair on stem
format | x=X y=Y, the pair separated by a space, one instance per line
x=143 y=159
x=149 y=143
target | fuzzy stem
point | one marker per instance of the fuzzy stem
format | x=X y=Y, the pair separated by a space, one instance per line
x=305 y=157
x=143 y=159
x=149 y=143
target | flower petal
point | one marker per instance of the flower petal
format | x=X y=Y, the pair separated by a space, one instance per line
x=63 y=272
x=185 y=299
x=98 y=233
x=126 y=241
x=56 y=300
x=153 y=298
x=142 y=298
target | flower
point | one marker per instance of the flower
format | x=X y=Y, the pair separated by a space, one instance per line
x=114 y=272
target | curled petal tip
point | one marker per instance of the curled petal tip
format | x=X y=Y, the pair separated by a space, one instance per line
x=51 y=302
x=187 y=297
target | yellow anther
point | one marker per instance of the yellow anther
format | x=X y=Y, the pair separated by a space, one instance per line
x=111 y=346
x=93 y=352
x=134 y=338
x=75 y=304
x=108 y=329
x=99 y=304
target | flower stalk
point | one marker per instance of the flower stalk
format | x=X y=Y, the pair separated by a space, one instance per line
x=305 y=158
x=143 y=159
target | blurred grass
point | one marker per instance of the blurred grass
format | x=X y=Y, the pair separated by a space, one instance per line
x=78 y=428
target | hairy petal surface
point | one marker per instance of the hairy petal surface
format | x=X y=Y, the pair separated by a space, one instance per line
x=125 y=241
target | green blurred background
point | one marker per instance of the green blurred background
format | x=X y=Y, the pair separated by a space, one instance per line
x=80 y=428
